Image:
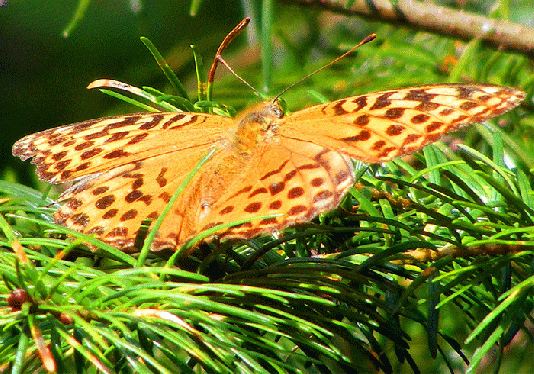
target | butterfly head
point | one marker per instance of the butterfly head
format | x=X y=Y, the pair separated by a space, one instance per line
x=257 y=125
x=263 y=115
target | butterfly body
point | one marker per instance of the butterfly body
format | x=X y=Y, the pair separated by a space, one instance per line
x=269 y=170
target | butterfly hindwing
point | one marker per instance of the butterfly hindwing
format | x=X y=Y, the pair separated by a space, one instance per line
x=285 y=183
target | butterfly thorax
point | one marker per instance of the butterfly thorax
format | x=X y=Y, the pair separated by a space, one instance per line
x=257 y=125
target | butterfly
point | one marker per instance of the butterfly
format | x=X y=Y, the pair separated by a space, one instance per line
x=267 y=171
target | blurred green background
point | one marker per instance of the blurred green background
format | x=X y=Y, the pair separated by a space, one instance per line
x=43 y=75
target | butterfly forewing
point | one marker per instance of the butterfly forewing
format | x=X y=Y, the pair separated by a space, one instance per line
x=380 y=126
x=269 y=171
x=73 y=151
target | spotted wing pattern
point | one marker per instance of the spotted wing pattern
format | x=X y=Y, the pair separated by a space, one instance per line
x=268 y=171
x=126 y=167
x=380 y=126
x=297 y=180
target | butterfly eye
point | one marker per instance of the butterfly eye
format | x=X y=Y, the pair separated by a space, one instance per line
x=278 y=107
x=279 y=113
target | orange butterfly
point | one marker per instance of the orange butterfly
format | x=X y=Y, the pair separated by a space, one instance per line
x=270 y=170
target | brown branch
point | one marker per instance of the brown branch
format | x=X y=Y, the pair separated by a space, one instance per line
x=429 y=17
x=425 y=255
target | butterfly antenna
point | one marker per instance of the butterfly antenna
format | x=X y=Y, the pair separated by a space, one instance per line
x=364 y=41
x=227 y=40
x=223 y=61
x=219 y=59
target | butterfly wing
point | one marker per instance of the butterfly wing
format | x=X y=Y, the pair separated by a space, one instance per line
x=70 y=152
x=128 y=167
x=306 y=171
x=286 y=182
x=380 y=126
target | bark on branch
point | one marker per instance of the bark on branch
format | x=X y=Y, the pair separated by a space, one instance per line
x=429 y=17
